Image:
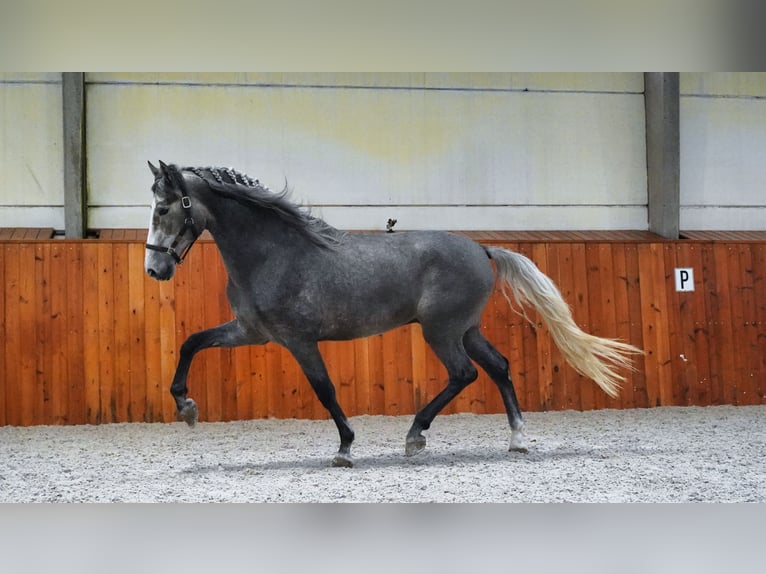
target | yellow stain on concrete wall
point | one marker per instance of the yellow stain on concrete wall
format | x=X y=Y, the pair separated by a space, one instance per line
x=348 y=146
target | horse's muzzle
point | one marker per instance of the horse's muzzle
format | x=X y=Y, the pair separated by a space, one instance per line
x=160 y=272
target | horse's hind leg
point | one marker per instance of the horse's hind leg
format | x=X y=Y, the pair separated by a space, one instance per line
x=496 y=366
x=461 y=374
x=310 y=360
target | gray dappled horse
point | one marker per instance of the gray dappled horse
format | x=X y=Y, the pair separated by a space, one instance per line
x=294 y=280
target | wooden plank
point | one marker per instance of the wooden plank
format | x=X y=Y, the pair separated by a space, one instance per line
x=727 y=352
x=346 y=377
x=653 y=313
x=678 y=390
x=259 y=382
x=3 y=337
x=666 y=281
x=59 y=353
x=12 y=335
x=679 y=386
x=700 y=332
x=273 y=360
x=243 y=391
x=136 y=305
x=106 y=342
x=76 y=410
x=377 y=388
x=292 y=383
x=696 y=333
x=122 y=384
x=362 y=379
x=638 y=376
x=169 y=343
x=91 y=349
x=30 y=389
x=402 y=340
x=759 y=295
x=739 y=342
x=712 y=316
x=745 y=325
x=390 y=383
x=43 y=327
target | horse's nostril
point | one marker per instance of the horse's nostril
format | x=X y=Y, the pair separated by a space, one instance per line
x=152 y=273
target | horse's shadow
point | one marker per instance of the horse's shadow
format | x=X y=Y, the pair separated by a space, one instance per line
x=461 y=457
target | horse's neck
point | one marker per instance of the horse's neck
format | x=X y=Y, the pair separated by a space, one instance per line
x=248 y=238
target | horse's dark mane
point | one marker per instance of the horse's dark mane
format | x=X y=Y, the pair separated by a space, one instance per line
x=233 y=184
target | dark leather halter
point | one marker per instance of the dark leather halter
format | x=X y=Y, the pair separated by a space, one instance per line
x=187 y=226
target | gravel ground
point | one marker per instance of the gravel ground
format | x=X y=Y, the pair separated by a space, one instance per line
x=690 y=454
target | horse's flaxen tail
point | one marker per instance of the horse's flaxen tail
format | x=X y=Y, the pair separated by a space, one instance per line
x=594 y=357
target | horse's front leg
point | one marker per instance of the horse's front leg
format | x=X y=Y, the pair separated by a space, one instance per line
x=230 y=334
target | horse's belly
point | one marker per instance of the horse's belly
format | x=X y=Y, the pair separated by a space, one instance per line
x=365 y=322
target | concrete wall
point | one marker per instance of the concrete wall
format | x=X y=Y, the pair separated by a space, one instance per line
x=31 y=160
x=455 y=151
x=723 y=150
x=470 y=151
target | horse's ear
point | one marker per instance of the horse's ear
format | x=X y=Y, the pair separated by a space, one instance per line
x=155 y=171
x=164 y=170
x=171 y=174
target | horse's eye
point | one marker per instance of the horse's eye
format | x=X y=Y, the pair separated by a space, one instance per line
x=162 y=211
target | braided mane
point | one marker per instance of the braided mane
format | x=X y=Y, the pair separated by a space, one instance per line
x=230 y=183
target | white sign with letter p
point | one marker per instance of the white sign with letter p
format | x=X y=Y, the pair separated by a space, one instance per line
x=684 y=279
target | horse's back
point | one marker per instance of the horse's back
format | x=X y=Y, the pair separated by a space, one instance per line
x=385 y=280
x=424 y=256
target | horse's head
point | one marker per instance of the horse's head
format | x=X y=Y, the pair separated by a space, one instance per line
x=175 y=224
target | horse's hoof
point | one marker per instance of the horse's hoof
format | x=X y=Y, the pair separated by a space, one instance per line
x=342 y=460
x=518 y=442
x=189 y=412
x=415 y=445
